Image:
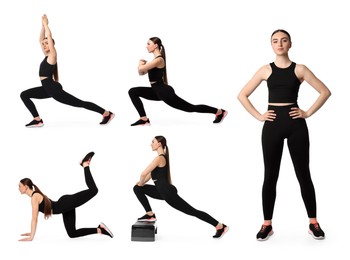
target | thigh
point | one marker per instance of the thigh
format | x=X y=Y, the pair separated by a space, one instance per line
x=272 y=145
x=145 y=92
x=38 y=93
x=151 y=191
x=299 y=144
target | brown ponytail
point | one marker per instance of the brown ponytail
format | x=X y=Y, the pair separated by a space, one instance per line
x=162 y=140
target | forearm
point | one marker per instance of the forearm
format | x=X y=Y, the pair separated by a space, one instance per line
x=47 y=31
x=144 y=179
x=318 y=103
x=33 y=228
x=42 y=34
x=249 y=107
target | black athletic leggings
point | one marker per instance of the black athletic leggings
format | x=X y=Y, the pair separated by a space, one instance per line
x=168 y=192
x=160 y=91
x=297 y=135
x=51 y=88
x=67 y=204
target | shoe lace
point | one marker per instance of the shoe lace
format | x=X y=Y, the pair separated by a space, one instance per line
x=317 y=227
x=263 y=228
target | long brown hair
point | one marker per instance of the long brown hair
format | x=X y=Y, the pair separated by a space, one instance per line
x=47 y=209
x=162 y=140
x=158 y=41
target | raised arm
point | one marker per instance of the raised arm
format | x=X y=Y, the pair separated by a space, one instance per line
x=305 y=74
x=48 y=35
x=248 y=89
x=145 y=66
x=146 y=174
x=34 y=222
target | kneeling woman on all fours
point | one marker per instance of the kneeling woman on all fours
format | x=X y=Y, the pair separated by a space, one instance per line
x=65 y=205
x=159 y=172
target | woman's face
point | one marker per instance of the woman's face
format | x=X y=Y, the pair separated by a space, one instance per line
x=45 y=45
x=22 y=188
x=151 y=46
x=280 y=43
x=155 y=144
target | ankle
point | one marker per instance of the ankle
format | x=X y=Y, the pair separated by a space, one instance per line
x=313 y=221
x=219 y=226
x=267 y=223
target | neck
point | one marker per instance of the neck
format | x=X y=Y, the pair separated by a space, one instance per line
x=29 y=192
x=156 y=53
x=282 y=61
x=160 y=150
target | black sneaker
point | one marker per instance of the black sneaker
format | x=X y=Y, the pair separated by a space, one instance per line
x=220 y=118
x=316 y=232
x=105 y=230
x=141 y=122
x=148 y=218
x=264 y=233
x=220 y=232
x=35 y=123
x=107 y=119
x=87 y=158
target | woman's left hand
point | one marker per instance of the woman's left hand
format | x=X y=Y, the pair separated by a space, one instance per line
x=27 y=238
x=297 y=113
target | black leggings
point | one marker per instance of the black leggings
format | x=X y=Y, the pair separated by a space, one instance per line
x=168 y=193
x=67 y=204
x=51 y=88
x=297 y=135
x=160 y=91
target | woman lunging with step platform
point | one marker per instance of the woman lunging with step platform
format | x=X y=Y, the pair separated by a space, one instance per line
x=159 y=172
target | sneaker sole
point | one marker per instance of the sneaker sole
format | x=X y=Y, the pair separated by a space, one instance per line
x=266 y=238
x=312 y=234
x=147 y=124
x=107 y=229
x=147 y=220
x=33 y=126
x=223 y=233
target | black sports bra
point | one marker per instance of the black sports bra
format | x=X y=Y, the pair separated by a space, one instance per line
x=156 y=74
x=283 y=84
x=42 y=204
x=46 y=69
x=160 y=174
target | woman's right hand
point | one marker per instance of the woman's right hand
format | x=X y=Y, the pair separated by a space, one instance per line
x=45 y=20
x=268 y=116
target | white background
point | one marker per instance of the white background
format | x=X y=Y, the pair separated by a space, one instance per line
x=213 y=48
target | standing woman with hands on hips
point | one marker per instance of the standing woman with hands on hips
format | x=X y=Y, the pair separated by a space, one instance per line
x=285 y=120
x=160 y=90
x=48 y=73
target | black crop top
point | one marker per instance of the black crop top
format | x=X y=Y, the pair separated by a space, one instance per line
x=46 y=69
x=160 y=174
x=156 y=74
x=41 y=205
x=283 y=84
